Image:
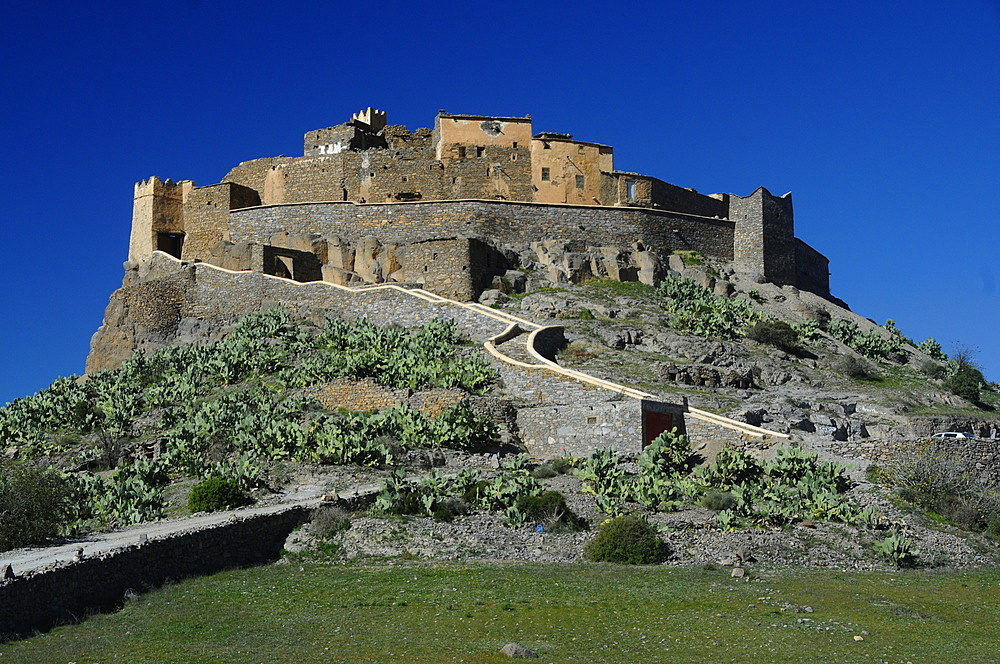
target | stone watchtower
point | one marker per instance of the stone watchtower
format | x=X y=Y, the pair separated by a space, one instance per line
x=764 y=236
x=158 y=217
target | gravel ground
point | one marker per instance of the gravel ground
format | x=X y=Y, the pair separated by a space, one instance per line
x=691 y=533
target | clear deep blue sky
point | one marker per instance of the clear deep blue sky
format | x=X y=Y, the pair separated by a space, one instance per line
x=883 y=119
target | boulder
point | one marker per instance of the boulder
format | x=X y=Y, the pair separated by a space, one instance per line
x=517 y=650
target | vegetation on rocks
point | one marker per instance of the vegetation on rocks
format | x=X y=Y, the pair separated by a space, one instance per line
x=696 y=310
x=794 y=486
x=228 y=409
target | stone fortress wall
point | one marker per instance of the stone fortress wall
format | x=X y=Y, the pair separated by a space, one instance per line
x=451 y=207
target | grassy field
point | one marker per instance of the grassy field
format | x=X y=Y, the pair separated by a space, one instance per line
x=416 y=612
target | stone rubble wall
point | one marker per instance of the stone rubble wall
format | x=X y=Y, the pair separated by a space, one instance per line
x=979 y=457
x=66 y=592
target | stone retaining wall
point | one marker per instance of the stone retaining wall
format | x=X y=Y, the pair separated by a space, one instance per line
x=980 y=458
x=67 y=592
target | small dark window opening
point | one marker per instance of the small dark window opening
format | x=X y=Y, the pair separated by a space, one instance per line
x=170 y=243
x=404 y=178
x=479 y=150
x=513 y=157
x=514 y=144
x=371 y=175
x=461 y=152
x=592 y=420
x=345 y=194
x=546 y=175
x=579 y=182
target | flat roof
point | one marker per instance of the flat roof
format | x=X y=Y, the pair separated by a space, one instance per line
x=458 y=116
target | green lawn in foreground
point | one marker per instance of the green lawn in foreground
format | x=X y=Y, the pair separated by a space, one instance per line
x=413 y=612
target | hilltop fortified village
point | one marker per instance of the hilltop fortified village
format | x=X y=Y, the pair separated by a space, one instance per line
x=453 y=207
x=429 y=220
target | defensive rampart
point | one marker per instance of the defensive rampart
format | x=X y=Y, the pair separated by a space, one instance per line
x=507 y=222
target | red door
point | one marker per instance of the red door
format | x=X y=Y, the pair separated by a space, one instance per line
x=654 y=424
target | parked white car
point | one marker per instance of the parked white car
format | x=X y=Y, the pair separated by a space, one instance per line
x=953 y=434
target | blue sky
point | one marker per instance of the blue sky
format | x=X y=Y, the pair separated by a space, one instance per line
x=881 y=118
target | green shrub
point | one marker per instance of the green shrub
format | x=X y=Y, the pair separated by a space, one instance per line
x=561 y=465
x=717 y=501
x=856 y=367
x=544 y=472
x=933 y=369
x=941 y=482
x=775 y=333
x=965 y=381
x=446 y=510
x=34 y=504
x=328 y=521
x=629 y=540
x=216 y=493
x=993 y=526
x=550 y=510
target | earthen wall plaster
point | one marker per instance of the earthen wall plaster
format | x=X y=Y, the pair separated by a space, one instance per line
x=567 y=171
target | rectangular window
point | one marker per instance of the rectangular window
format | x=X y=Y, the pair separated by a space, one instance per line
x=579 y=182
x=630 y=188
x=479 y=150
x=545 y=175
x=461 y=152
x=514 y=144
